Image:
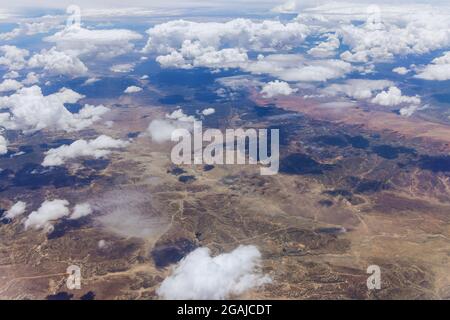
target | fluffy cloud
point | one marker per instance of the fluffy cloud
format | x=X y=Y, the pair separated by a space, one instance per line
x=97 y=148
x=327 y=48
x=294 y=67
x=58 y=63
x=238 y=33
x=31 y=28
x=185 y=44
x=11 y=75
x=30 y=79
x=30 y=110
x=387 y=34
x=401 y=70
x=49 y=211
x=410 y=110
x=208 y=111
x=132 y=89
x=3 y=145
x=16 y=210
x=438 y=70
x=276 y=88
x=13 y=58
x=357 y=88
x=10 y=85
x=393 y=97
x=200 y=276
x=192 y=54
x=81 y=210
x=122 y=68
x=105 y=43
x=160 y=130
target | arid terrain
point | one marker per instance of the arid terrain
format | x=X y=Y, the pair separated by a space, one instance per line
x=350 y=194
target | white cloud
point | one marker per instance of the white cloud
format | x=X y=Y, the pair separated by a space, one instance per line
x=49 y=211
x=57 y=63
x=439 y=69
x=46 y=24
x=276 y=88
x=208 y=111
x=13 y=58
x=16 y=210
x=97 y=148
x=105 y=43
x=180 y=116
x=401 y=70
x=160 y=130
x=10 y=85
x=90 y=81
x=238 y=33
x=410 y=110
x=122 y=68
x=357 y=88
x=327 y=48
x=393 y=97
x=11 y=75
x=132 y=89
x=200 y=276
x=30 y=79
x=294 y=67
x=81 y=210
x=30 y=110
x=3 y=145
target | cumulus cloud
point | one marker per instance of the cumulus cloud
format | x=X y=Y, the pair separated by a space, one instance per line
x=438 y=70
x=13 y=58
x=45 y=25
x=49 y=211
x=238 y=33
x=160 y=130
x=10 y=85
x=29 y=110
x=326 y=48
x=410 y=110
x=105 y=43
x=208 y=111
x=393 y=97
x=294 y=67
x=57 y=63
x=97 y=148
x=81 y=210
x=30 y=79
x=200 y=276
x=132 y=89
x=220 y=45
x=357 y=88
x=192 y=54
x=3 y=145
x=11 y=75
x=276 y=88
x=418 y=30
x=122 y=68
x=401 y=70
x=16 y=210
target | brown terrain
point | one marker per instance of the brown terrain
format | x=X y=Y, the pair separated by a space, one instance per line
x=351 y=192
